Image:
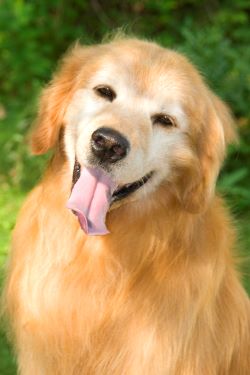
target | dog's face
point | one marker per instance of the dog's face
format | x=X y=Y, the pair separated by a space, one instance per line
x=142 y=114
x=129 y=119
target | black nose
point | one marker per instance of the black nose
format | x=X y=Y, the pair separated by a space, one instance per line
x=109 y=145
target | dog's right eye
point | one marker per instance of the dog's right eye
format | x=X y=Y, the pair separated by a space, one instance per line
x=105 y=92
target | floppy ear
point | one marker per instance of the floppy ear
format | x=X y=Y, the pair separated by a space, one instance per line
x=226 y=119
x=54 y=101
x=216 y=130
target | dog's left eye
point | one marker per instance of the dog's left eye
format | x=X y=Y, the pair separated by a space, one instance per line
x=105 y=92
x=163 y=119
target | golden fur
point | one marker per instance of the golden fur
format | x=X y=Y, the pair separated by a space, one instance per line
x=160 y=295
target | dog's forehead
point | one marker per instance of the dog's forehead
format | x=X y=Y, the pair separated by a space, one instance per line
x=146 y=75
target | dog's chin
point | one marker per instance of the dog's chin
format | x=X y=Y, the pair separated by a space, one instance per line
x=130 y=193
x=125 y=191
x=133 y=201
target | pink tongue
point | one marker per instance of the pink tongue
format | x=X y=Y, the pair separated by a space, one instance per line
x=90 y=200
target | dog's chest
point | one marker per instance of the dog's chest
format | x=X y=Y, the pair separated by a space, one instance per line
x=91 y=312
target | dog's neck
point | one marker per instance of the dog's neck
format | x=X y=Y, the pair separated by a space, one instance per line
x=144 y=229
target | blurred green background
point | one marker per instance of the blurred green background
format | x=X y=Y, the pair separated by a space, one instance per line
x=34 y=34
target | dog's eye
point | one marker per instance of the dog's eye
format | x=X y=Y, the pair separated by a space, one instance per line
x=163 y=119
x=105 y=92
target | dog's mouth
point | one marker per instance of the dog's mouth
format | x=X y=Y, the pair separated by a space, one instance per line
x=122 y=191
x=93 y=193
x=125 y=190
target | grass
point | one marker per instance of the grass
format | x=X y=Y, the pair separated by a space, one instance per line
x=10 y=201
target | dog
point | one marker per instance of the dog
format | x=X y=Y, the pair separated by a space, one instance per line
x=122 y=257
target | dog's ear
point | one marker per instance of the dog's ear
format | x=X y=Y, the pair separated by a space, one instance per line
x=196 y=186
x=54 y=100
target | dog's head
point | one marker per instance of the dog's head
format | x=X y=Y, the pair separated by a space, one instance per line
x=140 y=113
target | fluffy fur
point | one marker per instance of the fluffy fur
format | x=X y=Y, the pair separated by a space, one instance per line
x=160 y=294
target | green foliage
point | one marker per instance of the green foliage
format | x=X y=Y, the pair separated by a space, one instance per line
x=10 y=201
x=7 y=363
x=235 y=177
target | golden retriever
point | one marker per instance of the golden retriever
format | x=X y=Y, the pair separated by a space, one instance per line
x=129 y=269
